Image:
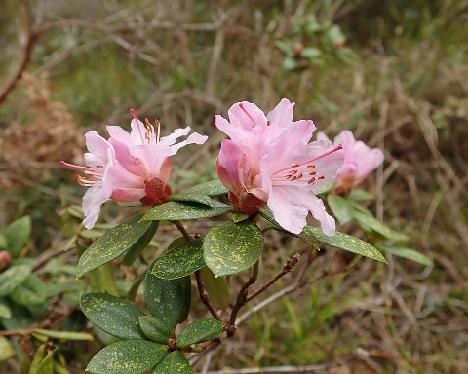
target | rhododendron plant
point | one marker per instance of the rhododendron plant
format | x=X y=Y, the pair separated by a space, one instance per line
x=359 y=160
x=269 y=159
x=129 y=166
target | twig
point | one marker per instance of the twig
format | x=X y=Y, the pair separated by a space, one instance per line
x=275 y=369
x=44 y=259
x=28 y=36
x=292 y=262
x=182 y=230
x=204 y=295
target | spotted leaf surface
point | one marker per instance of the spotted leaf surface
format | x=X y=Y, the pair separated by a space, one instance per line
x=115 y=316
x=168 y=300
x=113 y=244
x=127 y=357
x=12 y=278
x=173 y=363
x=155 y=329
x=177 y=210
x=199 y=331
x=180 y=261
x=193 y=197
x=230 y=248
x=210 y=188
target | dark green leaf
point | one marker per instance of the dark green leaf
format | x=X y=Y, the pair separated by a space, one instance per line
x=180 y=261
x=127 y=357
x=230 y=248
x=6 y=349
x=32 y=291
x=217 y=288
x=155 y=329
x=17 y=234
x=408 y=253
x=65 y=335
x=168 y=300
x=173 y=363
x=193 y=197
x=115 y=316
x=370 y=223
x=102 y=280
x=12 y=278
x=3 y=241
x=210 y=188
x=5 y=311
x=199 y=331
x=342 y=209
x=112 y=244
x=176 y=210
x=133 y=253
x=239 y=217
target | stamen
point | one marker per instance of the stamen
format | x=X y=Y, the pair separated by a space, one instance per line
x=158 y=125
x=321 y=177
x=311 y=166
x=268 y=123
x=241 y=105
x=295 y=166
x=311 y=181
x=134 y=115
x=71 y=166
x=312 y=172
x=299 y=176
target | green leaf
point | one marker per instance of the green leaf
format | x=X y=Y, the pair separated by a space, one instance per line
x=210 y=188
x=133 y=253
x=342 y=209
x=155 y=329
x=193 y=197
x=168 y=300
x=42 y=362
x=31 y=292
x=65 y=335
x=3 y=241
x=115 y=316
x=180 y=261
x=6 y=349
x=12 y=278
x=127 y=357
x=200 y=331
x=370 y=223
x=17 y=234
x=349 y=243
x=230 y=248
x=239 y=217
x=360 y=195
x=408 y=253
x=5 y=311
x=217 y=288
x=173 y=363
x=112 y=244
x=176 y=210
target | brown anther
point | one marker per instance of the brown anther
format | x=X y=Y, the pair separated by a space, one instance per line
x=268 y=123
x=311 y=166
x=299 y=176
x=311 y=181
x=157 y=123
x=321 y=177
x=312 y=172
x=295 y=166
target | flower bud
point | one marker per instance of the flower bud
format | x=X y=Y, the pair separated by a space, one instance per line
x=157 y=192
x=5 y=260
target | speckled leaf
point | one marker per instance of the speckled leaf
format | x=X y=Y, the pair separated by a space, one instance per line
x=193 y=197
x=32 y=291
x=173 y=363
x=115 y=316
x=6 y=349
x=168 y=300
x=370 y=223
x=17 y=234
x=230 y=248
x=155 y=329
x=12 y=278
x=132 y=254
x=217 y=288
x=210 y=188
x=177 y=210
x=408 y=253
x=180 y=261
x=342 y=209
x=127 y=357
x=349 y=243
x=239 y=217
x=199 y=331
x=111 y=245
x=65 y=335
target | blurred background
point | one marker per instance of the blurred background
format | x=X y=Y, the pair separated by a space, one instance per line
x=393 y=71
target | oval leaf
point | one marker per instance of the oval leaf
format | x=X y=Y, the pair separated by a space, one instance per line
x=6 y=349
x=230 y=248
x=132 y=254
x=210 y=188
x=409 y=254
x=176 y=210
x=173 y=363
x=12 y=278
x=370 y=223
x=199 y=331
x=115 y=316
x=155 y=329
x=180 y=261
x=193 y=197
x=217 y=288
x=65 y=335
x=168 y=300
x=5 y=311
x=31 y=292
x=342 y=209
x=127 y=357
x=17 y=234
x=112 y=244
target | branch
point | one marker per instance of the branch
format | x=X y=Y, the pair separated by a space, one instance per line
x=204 y=295
x=182 y=230
x=28 y=36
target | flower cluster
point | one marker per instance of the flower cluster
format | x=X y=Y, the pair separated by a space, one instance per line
x=268 y=159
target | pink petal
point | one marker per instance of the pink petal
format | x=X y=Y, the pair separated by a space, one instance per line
x=138 y=132
x=127 y=195
x=319 y=212
x=226 y=165
x=119 y=134
x=172 y=138
x=322 y=137
x=282 y=114
x=246 y=115
x=193 y=138
x=97 y=146
x=91 y=205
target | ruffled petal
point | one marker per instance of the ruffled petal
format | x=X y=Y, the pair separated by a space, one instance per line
x=246 y=115
x=226 y=165
x=97 y=146
x=282 y=114
x=318 y=210
x=92 y=201
x=172 y=138
x=287 y=213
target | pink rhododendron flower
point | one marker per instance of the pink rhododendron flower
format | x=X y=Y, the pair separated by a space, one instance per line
x=359 y=160
x=268 y=159
x=129 y=166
